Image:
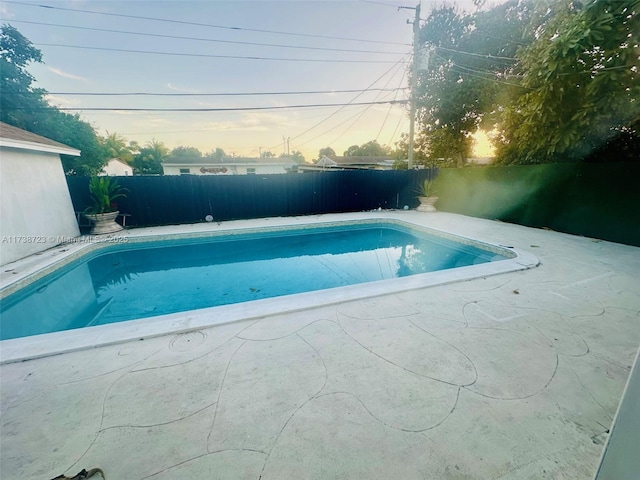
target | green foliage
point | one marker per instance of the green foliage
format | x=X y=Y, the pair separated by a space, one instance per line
x=427 y=188
x=71 y=130
x=185 y=152
x=24 y=106
x=104 y=192
x=327 y=151
x=216 y=155
x=18 y=97
x=461 y=91
x=267 y=154
x=581 y=81
x=116 y=147
x=148 y=161
x=369 y=149
x=296 y=156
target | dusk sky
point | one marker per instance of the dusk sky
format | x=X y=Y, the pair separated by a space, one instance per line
x=323 y=46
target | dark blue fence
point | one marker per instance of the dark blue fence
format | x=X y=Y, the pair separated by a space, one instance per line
x=167 y=200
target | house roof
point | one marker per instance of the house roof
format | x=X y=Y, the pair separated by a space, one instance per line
x=119 y=161
x=15 y=137
x=197 y=161
x=362 y=162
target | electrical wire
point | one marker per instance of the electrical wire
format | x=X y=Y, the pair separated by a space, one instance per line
x=231 y=109
x=353 y=99
x=239 y=94
x=226 y=27
x=200 y=39
x=384 y=122
x=206 y=55
x=492 y=57
x=361 y=114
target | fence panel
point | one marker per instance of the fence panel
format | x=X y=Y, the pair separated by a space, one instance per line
x=167 y=200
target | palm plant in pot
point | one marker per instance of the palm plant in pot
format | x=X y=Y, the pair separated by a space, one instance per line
x=427 y=196
x=104 y=193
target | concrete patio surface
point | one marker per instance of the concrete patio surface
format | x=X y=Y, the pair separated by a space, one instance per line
x=513 y=376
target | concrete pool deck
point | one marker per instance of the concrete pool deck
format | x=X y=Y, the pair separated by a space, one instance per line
x=512 y=376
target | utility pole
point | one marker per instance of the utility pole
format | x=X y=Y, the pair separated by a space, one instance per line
x=414 y=84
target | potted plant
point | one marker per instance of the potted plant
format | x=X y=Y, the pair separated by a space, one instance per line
x=104 y=211
x=427 y=196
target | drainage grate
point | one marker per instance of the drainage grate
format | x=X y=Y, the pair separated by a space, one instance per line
x=187 y=341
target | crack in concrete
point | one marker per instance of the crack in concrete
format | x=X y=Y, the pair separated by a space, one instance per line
x=326 y=379
x=202 y=456
x=215 y=412
x=537 y=392
x=288 y=334
x=160 y=424
x=393 y=363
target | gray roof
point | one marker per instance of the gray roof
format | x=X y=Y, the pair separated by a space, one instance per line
x=361 y=160
x=14 y=133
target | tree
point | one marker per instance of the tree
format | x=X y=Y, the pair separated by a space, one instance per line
x=267 y=154
x=116 y=147
x=148 y=161
x=468 y=67
x=23 y=106
x=369 y=149
x=580 y=84
x=216 y=155
x=327 y=151
x=185 y=152
x=19 y=99
x=297 y=157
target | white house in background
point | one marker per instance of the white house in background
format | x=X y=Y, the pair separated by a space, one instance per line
x=335 y=162
x=117 y=168
x=227 y=166
x=36 y=212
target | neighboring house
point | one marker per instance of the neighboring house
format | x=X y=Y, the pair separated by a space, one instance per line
x=36 y=212
x=349 y=163
x=117 y=168
x=227 y=166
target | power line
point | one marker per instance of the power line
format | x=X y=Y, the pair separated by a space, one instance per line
x=351 y=101
x=217 y=129
x=231 y=109
x=206 y=55
x=123 y=94
x=491 y=57
x=357 y=114
x=384 y=122
x=200 y=39
x=362 y=113
x=226 y=27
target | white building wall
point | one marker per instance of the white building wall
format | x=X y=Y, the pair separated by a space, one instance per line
x=36 y=212
x=117 y=169
x=237 y=169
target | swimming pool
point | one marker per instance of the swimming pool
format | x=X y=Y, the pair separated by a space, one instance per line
x=245 y=273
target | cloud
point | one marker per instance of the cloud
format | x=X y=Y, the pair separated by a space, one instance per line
x=66 y=74
x=257 y=122
x=5 y=13
x=62 y=101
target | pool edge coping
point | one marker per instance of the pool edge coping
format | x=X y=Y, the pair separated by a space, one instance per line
x=38 y=346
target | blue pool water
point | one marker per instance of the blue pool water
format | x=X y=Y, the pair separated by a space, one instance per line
x=127 y=282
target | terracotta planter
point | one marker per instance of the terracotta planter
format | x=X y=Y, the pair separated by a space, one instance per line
x=104 y=223
x=427 y=204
